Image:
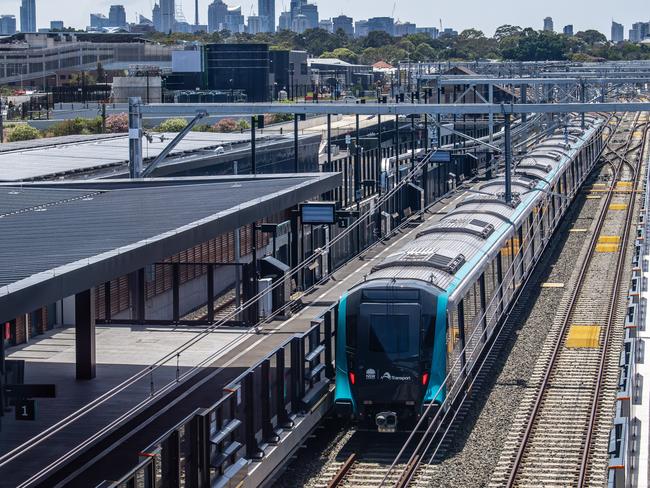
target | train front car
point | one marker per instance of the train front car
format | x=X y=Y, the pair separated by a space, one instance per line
x=413 y=332
x=390 y=352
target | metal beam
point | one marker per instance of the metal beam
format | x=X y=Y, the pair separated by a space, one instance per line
x=175 y=141
x=244 y=109
x=450 y=81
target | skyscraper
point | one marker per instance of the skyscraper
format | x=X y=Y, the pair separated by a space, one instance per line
x=568 y=30
x=618 y=32
x=217 y=12
x=156 y=17
x=266 y=10
x=344 y=23
x=548 y=24
x=285 y=21
x=7 y=25
x=310 y=10
x=117 y=16
x=28 y=16
x=167 y=15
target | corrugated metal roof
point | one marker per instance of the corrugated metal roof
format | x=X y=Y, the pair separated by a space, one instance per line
x=48 y=230
x=487 y=207
x=30 y=162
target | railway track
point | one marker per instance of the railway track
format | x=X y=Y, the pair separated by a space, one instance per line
x=561 y=432
x=364 y=462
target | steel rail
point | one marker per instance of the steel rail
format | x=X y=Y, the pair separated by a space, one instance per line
x=343 y=471
x=565 y=326
x=620 y=265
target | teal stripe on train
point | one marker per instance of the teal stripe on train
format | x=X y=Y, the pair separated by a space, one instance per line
x=343 y=391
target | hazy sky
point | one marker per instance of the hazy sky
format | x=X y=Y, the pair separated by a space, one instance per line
x=460 y=14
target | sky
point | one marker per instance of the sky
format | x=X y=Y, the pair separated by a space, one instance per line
x=463 y=14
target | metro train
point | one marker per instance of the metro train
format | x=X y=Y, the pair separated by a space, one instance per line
x=420 y=318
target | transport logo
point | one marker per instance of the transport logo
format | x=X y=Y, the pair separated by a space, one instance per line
x=390 y=377
x=371 y=374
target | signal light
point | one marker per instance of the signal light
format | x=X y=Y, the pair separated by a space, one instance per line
x=425 y=379
x=352 y=377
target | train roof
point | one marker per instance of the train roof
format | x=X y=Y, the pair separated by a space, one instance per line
x=449 y=252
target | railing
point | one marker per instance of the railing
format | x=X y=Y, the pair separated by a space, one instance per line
x=625 y=429
x=216 y=446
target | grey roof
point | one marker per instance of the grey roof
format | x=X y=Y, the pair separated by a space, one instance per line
x=57 y=239
x=435 y=256
x=36 y=162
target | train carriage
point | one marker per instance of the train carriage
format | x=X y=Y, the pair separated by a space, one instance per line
x=419 y=320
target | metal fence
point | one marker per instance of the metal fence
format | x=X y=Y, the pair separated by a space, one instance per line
x=214 y=446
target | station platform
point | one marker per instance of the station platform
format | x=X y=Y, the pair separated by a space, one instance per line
x=114 y=420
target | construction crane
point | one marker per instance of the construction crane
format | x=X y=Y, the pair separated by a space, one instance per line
x=394 y=8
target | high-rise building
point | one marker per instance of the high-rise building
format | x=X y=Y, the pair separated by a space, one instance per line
x=234 y=20
x=639 y=31
x=167 y=15
x=326 y=25
x=28 y=16
x=300 y=23
x=344 y=23
x=618 y=32
x=361 y=28
x=295 y=7
x=548 y=24
x=432 y=32
x=568 y=30
x=117 y=16
x=285 y=21
x=402 y=29
x=57 y=25
x=217 y=12
x=266 y=10
x=156 y=17
x=99 y=21
x=310 y=10
x=383 y=24
x=254 y=24
x=7 y=25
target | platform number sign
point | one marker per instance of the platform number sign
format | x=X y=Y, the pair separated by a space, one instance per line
x=26 y=410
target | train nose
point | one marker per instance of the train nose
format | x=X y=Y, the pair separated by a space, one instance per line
x=386 y=421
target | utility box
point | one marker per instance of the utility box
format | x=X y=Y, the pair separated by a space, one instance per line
x=266 y=299
x=278 y=272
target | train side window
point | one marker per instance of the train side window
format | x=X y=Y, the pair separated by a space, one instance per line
x=452 y=329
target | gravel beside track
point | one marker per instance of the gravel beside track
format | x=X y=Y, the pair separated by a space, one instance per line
x=472 y=448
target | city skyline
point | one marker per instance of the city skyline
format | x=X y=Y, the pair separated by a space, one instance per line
x=473 y=16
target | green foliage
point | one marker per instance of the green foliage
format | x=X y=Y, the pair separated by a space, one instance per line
x=509 y=42
x=173 y=125
x=23 y=133
x=342 y=53
x=243 y=124
x=75 y=126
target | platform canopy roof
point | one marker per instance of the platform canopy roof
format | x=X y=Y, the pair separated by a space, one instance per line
x=60 y=238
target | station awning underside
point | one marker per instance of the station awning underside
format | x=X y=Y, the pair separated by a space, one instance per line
x=60 y=238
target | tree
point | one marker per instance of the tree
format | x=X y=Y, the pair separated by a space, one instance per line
x=342 y=53
x=591 y=37
x=424 y=52
x=506 y=31
x=378 y=39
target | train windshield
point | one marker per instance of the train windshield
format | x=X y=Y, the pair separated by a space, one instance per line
x=395 y=335
x=389 y=334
